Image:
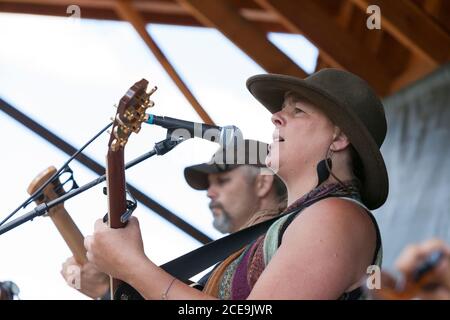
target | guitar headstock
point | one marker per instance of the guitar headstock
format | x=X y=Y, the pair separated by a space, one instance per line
x=130 y=114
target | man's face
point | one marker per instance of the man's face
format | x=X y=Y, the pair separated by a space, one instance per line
x=233 y=199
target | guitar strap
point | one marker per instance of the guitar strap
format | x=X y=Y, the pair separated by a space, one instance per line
x=198 y=260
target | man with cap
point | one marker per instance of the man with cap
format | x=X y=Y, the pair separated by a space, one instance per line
x=238 y=187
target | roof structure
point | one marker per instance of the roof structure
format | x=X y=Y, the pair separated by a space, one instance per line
x=414 y=38
x=413 y=41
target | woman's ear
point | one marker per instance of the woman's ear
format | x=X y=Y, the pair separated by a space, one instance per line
x=263 y=184
x=340 y=140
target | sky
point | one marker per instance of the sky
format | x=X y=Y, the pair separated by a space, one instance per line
x=67 y=74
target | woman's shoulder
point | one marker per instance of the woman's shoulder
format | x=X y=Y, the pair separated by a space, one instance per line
x=334 y=218
x=331 y=237
x=346 y=211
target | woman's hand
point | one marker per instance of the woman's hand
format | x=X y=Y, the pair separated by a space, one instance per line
x=117 y=252
x=120 y=253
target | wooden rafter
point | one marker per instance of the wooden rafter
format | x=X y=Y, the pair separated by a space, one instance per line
x=338 y=48
x=414 y=40
x=441 y=14
x=151 y=11
x=222 y=15
x=415 y=69
x=128 y=13
x=345 y=14
x=413 y=28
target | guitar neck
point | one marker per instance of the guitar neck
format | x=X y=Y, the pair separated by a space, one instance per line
x=115 y=173
x=128 y=119
x=61 y=219
x=70 y=233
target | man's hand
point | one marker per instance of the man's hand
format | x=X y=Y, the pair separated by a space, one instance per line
x=413 y=255
x=87 y=278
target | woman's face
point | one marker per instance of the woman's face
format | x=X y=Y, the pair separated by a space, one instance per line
x=301 y=138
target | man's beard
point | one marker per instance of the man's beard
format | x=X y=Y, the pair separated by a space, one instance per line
x=222 y=221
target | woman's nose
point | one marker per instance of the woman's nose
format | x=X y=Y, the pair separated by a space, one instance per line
x=278 y=119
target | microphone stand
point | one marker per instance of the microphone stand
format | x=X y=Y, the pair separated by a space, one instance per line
x=160 y=148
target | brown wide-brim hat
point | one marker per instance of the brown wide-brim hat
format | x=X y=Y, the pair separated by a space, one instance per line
x=351 y=104
x=251 y=152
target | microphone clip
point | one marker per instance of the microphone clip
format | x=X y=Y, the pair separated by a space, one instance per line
x=131 y=206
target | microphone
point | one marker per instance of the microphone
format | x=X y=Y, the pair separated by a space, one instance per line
x=186 y=129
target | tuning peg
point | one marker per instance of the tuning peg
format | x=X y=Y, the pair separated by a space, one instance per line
x=152 y=90
x=115 y=106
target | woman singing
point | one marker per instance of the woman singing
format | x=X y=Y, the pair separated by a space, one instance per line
x=326 y=148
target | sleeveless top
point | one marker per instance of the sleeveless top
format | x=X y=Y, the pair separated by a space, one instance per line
x=235 y=277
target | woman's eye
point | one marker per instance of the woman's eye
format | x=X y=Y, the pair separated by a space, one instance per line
x=223 y=181
x=298 y=110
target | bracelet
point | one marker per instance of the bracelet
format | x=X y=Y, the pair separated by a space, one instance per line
x=164 y=295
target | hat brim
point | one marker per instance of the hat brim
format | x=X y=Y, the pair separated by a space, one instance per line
x=197 y=176
x=269 y=90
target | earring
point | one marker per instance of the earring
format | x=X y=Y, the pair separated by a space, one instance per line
x=324 y=168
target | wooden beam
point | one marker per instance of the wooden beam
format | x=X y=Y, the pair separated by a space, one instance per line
x=394 y=55
x=432 y=6
x=128 y=13
x=154 y=11
x=440 y=11
x=345 y=14
x=351 y=19
x=222 y=15
x=320 y=64
x=416 y=69
x=413 y=28
x=369 y=39
x=338 y=48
